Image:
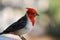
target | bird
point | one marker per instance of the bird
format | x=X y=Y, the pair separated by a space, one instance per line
x=24 y=24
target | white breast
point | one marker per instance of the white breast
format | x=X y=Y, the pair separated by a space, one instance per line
x=27 y=29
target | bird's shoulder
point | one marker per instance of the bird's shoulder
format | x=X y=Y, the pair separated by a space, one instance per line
x=20 y=23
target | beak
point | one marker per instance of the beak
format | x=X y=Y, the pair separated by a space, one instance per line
x=37 y=14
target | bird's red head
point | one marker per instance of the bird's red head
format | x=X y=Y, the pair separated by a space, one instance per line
x=31 y=14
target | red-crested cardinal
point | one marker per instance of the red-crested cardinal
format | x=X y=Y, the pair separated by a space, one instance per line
x=24 y=24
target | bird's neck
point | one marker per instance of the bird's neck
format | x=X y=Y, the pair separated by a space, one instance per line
x=31 y=19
